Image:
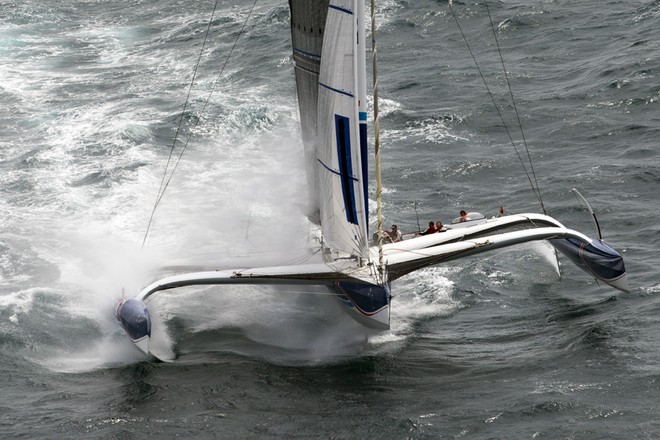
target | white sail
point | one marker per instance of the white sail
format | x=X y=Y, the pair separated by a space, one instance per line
x=341 y=148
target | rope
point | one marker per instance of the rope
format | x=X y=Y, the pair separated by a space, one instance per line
x=164 y=184
x=515 y=108
x=379 y=182
x=499 y=113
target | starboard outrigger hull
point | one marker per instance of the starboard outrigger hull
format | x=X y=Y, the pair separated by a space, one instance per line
x=597 y=258
x=593 y=256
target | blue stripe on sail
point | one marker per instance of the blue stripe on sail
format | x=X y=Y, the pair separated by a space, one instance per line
x=343 y=92
x=339 y=8
x=364 y=153
x=343 y=128
x=309 y=54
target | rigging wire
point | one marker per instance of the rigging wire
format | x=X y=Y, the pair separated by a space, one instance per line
x=535 y=190
x=178 y=128
x=515 y=108
x=379 y=183
x=165 y=183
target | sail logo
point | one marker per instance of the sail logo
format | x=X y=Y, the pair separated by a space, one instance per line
x=343 y=131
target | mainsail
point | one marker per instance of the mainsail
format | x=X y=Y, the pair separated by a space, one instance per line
x=338 y=171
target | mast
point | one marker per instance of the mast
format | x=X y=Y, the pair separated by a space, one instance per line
x=379 y=183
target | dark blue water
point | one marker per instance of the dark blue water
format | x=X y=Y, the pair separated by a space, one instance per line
x=489 y=347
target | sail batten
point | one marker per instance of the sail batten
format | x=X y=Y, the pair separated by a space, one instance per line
x=336 y=90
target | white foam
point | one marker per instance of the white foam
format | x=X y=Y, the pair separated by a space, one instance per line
x=19 y=303
x=426 y=294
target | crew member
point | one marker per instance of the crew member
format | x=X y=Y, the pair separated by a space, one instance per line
x=395 y=235
x=430 y=230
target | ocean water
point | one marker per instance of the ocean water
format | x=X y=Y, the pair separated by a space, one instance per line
x=491 y=347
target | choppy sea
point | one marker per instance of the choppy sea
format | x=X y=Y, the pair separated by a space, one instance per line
x=496 y=346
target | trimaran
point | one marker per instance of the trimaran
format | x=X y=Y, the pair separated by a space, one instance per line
x=329 y=56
